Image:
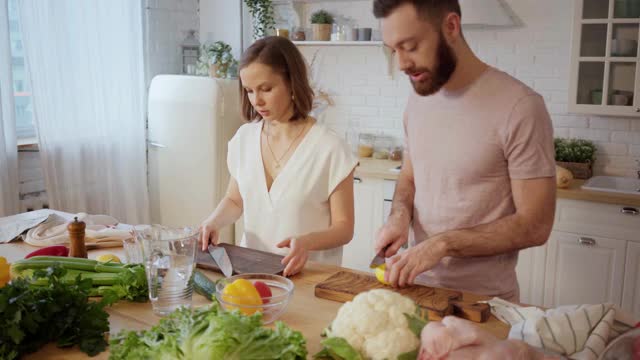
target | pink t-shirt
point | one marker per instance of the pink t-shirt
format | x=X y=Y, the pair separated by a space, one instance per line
x=465 y=147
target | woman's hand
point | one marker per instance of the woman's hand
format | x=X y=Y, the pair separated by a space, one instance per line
x=208 y=233
x=297 y=257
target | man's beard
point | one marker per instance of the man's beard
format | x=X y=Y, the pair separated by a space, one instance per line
x=444 y=68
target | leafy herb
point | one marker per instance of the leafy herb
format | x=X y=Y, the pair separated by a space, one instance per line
x=32 y=316
x=262 y=16
x=321 y=17
x=575 y=150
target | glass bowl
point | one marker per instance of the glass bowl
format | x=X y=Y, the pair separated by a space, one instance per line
x=271 y=308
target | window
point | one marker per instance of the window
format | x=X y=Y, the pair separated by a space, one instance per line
x=24 y=113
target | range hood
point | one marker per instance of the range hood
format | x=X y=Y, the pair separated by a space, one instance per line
x=486 y=13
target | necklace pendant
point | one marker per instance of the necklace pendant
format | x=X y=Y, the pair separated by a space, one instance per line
x=277 y=166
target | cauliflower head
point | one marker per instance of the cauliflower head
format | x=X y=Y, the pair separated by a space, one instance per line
x=374 y=323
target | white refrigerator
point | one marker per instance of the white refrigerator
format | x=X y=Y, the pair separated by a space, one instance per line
x=190 y=121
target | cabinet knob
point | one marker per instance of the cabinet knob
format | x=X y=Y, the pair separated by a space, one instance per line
x=629 y=211
x=586 y=241
x=357 y=180
x=638 y=109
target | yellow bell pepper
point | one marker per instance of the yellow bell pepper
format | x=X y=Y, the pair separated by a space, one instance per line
x=4 y=272
x=242 y=292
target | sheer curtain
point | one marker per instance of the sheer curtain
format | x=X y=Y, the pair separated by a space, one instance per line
x=87 y=76
x=9 y=187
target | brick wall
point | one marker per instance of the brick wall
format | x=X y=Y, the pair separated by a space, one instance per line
x=537 y=53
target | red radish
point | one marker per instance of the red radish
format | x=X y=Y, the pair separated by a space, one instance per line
x=263 y=290
x=56 y=250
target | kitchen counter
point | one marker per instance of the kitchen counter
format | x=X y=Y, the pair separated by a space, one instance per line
x=381 y=169
x=305 y=313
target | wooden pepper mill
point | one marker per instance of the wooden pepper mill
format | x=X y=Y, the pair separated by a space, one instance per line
x=76 y=238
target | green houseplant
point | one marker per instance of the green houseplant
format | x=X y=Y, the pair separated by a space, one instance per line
x=216 y=60
x=576 y=155
x=321 y=22
x=262 y=17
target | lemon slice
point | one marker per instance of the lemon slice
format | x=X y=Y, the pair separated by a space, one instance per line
x=108 y=258
x=379 y=271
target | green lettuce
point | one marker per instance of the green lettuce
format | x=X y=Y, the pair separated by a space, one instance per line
x=210 y=333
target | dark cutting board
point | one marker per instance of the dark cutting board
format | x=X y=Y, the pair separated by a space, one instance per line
x=243 y=260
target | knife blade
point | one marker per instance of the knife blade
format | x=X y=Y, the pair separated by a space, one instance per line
x=378 y=259
x=221 y=258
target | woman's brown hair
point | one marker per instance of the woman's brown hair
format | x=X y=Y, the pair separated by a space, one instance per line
x=284 y=58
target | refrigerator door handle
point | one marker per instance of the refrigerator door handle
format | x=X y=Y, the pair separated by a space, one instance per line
x=155 y=144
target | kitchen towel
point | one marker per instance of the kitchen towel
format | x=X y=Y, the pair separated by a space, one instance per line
x=11 y=227
x=575 y=331
x=101 y=230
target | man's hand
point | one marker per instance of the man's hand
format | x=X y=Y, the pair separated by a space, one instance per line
x=402 y=269
x=392 y=235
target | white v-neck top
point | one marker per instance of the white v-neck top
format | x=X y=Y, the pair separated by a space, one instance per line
x=298 y=201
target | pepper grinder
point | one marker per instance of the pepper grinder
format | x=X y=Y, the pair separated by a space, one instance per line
x=76 y=237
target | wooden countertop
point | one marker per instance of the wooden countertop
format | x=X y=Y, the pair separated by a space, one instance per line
x=381 y=169
x=305 y=313
x=574 y=192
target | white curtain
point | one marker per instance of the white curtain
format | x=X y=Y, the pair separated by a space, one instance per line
x=9 y=187
x=87 y=77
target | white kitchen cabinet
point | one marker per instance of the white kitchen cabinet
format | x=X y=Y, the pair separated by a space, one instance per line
x=631 y=293
x=583 y=269
x=604 y=58
x=530 y=273
x=368 y=200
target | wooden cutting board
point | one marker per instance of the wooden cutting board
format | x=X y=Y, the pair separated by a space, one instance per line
x=343 y=286
x=243 y=260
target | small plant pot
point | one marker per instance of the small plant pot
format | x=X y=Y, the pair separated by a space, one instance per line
x=579 y=170
x=321 y=32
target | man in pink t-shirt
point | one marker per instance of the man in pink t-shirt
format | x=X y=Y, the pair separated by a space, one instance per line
x=478 y=180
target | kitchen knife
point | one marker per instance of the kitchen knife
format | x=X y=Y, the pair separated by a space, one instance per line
x=221 y=258
x=379 y=258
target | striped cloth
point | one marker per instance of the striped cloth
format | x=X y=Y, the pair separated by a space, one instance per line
x=574 y=331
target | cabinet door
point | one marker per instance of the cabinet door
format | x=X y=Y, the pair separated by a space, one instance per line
x=530 y=272
x=368 y=219
x=631 y=292
x=583 y=270
x=604 y=60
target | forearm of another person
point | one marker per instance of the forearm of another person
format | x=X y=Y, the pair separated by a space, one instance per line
x=226 y=213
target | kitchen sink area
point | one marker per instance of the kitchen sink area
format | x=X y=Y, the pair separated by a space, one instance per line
x=615 y=184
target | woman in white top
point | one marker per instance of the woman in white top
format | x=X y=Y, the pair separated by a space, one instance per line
x=290 y=176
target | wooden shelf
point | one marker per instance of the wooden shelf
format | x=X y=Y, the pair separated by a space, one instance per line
x=338 y=43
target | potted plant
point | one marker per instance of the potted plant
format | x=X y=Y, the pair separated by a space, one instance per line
x=321 y=22
x=217 y=60
x=262 y=17
x=576 y=155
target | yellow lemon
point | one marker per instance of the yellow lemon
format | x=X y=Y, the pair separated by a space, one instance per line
x=379 y=271
x=107 y=258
